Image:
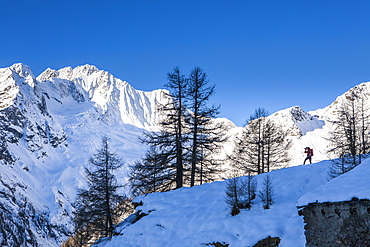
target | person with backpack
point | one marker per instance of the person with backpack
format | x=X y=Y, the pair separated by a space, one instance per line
x=309 y=152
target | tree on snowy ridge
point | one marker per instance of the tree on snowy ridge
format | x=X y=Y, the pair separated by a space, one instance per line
x=151 y=174
x=234 y=195
x=182 y=149
x=349 y=139
x=262 y=145
x=170 y=140
x=205 y=137
x=95 y=206
x=251 y=190
x=364 y=128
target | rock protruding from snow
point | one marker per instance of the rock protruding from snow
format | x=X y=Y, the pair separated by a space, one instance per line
x=48 y=74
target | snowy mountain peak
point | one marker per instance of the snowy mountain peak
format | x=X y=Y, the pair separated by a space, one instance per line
x=298 y=114
x=296 y=121
x=86 y=69
x=118 y=100
x=48 y=128
x=360 y=91
x=24 y=72
x=47 y=75
x=8 y=88
x=22 y=69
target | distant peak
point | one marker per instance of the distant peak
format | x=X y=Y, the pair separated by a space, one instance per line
x=22 y=70
x=289 y=111
x=68 y=72
x=47 y=74
x=296 y=113
x=86 y=69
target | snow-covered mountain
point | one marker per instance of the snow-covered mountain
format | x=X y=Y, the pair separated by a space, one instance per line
x=118 y=100
x=311 y=129
x=49 y=127
x=51 y=124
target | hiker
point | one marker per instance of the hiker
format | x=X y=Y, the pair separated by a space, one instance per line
x=309 y=153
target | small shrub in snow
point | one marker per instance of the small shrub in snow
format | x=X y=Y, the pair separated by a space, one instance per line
x=239 y=193
x=218 y=244
x=251 y=189
x=234 y=194
x=267 y=192
x=269 y=241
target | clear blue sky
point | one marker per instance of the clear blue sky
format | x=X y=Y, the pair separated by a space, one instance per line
x=271 y=54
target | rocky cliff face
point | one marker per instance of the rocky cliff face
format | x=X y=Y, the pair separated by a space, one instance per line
x=27 y=129
x=337 y=224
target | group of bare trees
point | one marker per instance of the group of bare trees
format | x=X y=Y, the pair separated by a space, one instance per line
x=182 y=151
x=349 y=138
x=261 y=147
x=241 y=191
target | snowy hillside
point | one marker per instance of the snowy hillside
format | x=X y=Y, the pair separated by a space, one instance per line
x=354 y=183
x=199 y=216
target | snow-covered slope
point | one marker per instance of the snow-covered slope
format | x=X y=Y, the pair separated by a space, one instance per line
x=354 y=183
x=199 y=216
x=311 y=129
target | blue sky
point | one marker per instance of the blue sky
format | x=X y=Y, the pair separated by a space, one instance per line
x=271 y=54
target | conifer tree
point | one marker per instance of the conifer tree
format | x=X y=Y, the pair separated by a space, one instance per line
x=240 y=192
x=94 y=207
x=204 y=134
x=262 y=145
x=267 y=192
x=234 y=195
x=349 y=138
x=151 y=174
x=250 y=186
x=183 y=148
x=171 y=139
